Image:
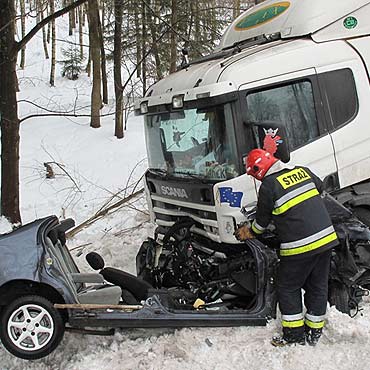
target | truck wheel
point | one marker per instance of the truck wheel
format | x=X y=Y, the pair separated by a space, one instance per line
x=30 y=327
x=338 y=297
x=363 y=214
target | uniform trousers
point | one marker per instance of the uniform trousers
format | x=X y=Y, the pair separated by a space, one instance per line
x=310 y=273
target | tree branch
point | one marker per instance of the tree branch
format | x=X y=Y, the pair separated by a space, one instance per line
x=71 y=233
x=62 y=115
x=20 y=44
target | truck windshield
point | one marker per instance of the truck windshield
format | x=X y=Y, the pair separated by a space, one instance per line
x=193 y=142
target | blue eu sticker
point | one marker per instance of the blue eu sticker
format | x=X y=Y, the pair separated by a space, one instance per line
x=227 y=195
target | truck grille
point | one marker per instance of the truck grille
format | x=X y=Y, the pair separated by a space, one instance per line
x=168 y=211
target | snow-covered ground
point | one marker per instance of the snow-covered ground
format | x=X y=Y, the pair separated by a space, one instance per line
x=94 y=166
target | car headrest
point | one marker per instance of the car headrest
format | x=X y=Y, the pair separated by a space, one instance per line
x=95 y=260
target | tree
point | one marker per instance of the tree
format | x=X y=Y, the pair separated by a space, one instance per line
x=44 y=36
x=9 y=121
x=81 y=17
x=103 y=59
x=154 y=34
x=9 y=115
x=23 y=30
x=117 y=58
x=143 y=46
x=236 y=8
x=173 y=47
x=95 y=49
x=53 y=45
x=72 y=63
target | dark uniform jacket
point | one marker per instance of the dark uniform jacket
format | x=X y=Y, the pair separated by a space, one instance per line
x=291 y=198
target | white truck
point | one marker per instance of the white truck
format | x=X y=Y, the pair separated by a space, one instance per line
x=303 y=64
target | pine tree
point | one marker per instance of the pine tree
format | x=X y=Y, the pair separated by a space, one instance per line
x=72 y=63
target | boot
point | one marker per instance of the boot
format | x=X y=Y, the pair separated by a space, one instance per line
x=290 y=336
x=281 y=341
x=312 y=335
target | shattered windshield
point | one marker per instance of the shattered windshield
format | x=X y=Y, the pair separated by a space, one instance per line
x=193 y=142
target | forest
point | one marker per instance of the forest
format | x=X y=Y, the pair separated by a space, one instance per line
x=141 y=40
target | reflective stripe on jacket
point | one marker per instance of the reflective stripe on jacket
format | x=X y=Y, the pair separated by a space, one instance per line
x=291 y=198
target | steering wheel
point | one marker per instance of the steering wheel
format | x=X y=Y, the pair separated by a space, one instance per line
x=178 y=232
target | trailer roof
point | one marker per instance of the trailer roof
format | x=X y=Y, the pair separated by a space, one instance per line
x=296 y=18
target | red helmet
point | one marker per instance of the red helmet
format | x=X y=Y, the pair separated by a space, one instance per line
x=258 y=163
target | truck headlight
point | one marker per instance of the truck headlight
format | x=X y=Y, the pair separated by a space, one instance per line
x=178 y=101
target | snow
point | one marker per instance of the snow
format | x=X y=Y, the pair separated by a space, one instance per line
x=344 y=345
x=100 y=166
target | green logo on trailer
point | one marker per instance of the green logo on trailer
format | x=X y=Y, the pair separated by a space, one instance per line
x=262 y=16
x=350 y=22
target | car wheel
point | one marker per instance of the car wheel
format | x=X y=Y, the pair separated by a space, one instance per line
x=363 y=214
x=31 y=327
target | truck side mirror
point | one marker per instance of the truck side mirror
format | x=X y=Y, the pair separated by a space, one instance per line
x=273 y=137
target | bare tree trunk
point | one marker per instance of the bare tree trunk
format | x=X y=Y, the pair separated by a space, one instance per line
x=49 y=32
x=53 y=46
x=103 y=60
x=138 y=41
x=93 y=14
x=23 y=30
x=71 y=20
x=88 y=65
x=80 y=31
x=143 y=46
x=197 y=24
x=155 y=51
x=44 y=40
x=84 y=11
x=236 y=8
x=73 y=17
x=117 y=55
x=173 y=47
x=9 y=115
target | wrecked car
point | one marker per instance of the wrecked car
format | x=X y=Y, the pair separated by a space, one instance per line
x=183 y=280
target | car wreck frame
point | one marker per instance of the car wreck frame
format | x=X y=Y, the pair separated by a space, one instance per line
x=43 y=293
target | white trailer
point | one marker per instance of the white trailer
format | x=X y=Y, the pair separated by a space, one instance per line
x=304 y=63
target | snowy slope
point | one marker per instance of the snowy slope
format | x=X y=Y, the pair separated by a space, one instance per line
x=100 y=166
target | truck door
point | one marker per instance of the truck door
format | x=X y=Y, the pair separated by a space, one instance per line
x=295 y=101
x=346 y=91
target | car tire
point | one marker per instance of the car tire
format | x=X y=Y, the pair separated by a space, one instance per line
x=30 y=327
x=363 y=214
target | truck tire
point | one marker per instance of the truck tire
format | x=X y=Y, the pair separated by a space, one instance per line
x=30 y=327
x=339 y=297
x=363 y=214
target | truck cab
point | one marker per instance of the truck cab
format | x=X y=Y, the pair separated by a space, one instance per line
x=300 y=64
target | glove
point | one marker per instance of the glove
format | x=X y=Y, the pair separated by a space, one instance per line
x=243 y=232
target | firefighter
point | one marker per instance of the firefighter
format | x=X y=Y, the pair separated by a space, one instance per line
x=290 y=197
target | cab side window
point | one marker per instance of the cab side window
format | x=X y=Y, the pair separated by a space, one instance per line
x=291 y=104
x=340 y=92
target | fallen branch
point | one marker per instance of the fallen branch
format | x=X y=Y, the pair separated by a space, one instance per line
x=61 y=166
x=101 y=213
x=124 y=231
x=124 y=191
x=80 y=246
